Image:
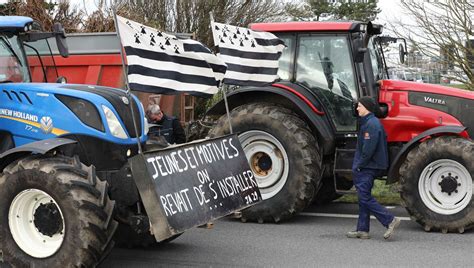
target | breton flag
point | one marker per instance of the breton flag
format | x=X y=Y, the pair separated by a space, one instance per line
x=161 y=63
x=251 y=56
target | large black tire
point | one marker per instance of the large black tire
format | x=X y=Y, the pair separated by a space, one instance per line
x=79 y=197
x=126 y=237
x=300 y=164
x=327 y=192
x=434 y=205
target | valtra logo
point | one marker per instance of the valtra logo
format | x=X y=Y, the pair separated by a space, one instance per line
x=435 y=101
x=46 y=124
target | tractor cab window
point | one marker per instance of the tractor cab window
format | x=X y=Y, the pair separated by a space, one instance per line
x=13 y=67
x=324 y=64
x=376 y=60
x=41 y=61
x=285 y=64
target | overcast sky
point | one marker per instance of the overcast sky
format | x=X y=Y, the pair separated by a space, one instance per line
x=390 y=11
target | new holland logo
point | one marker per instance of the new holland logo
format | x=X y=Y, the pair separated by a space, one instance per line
x=435 y=101
x=46 y=124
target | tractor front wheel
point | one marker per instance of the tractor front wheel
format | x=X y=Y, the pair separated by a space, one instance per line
x=283 y=154
x=437 y=184
x=54 y=212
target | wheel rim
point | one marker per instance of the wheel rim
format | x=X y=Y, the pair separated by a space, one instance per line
x=36 y=223
x=445 y=186
x=268 y=160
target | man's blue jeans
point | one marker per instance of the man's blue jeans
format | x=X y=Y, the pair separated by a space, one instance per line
x=364 y=181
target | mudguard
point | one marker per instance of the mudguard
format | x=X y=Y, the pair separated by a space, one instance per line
x=298 y=99
x=393 y=173
x=37 y=147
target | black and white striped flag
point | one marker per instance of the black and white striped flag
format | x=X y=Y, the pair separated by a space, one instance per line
x=251 y=56
x=161 y=63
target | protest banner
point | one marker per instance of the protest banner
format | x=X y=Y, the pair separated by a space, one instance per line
x=190 y=185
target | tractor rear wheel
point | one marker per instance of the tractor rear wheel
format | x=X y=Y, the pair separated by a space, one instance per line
x=283 y=155
x=437 y=184
x=54 y=212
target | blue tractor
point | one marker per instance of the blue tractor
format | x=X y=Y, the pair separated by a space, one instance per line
x=65 y=184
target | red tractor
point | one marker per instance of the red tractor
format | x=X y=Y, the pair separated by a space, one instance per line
x=299 y=134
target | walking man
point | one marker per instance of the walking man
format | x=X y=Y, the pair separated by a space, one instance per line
x=370 y=161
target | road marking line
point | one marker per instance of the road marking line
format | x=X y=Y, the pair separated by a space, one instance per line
x=349 y=216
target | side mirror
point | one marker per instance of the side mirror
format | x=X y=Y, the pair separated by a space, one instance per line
x=374 y=29
x=61 y=40
x=61 y=80
x=401 y=53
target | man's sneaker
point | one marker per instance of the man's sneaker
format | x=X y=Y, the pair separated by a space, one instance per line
x=358 y=234
x=391 y=228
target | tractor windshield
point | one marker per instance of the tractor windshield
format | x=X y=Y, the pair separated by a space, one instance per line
x=13 y=66
x=377 y=59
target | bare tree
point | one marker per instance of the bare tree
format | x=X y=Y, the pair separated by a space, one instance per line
x=442 y=29
x=192 y=16
x=100 y=20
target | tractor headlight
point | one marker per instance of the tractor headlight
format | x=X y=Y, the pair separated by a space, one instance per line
x=114 y=124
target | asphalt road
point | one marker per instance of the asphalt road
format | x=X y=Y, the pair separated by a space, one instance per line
x=315 y=238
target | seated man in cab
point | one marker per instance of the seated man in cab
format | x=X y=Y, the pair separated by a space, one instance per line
x=163 y=125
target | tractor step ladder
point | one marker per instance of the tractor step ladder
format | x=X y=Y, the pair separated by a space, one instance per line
x=343 y=169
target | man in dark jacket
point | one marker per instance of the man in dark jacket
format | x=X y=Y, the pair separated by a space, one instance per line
x=370 y=161
x=167 y=126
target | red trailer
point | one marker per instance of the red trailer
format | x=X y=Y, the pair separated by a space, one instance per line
x=95 y=60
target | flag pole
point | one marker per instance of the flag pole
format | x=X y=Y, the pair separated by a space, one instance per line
x=222 y=87
x=127 y=86
x=226 y=107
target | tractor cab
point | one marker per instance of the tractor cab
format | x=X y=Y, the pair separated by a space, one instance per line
x=331 y=60
x=21 y=40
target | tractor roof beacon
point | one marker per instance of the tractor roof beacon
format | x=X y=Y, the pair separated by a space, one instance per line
x=61 y=147
x=299 y=133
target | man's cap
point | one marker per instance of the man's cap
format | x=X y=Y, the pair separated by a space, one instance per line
x=369 y=104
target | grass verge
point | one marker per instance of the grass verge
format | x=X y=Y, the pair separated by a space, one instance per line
x=385 y=194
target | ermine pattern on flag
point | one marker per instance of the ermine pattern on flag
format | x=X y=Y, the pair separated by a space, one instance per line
x=251 y=56
x=162 y=63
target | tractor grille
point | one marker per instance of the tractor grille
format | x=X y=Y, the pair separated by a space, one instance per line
x=115 y=96
x=19 y=96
